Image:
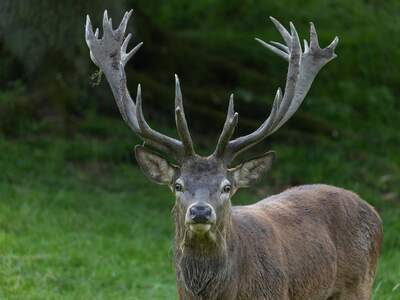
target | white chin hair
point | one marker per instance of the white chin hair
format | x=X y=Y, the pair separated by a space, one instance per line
x=200 y=228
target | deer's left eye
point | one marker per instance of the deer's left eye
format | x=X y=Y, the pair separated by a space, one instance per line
x=227 y=188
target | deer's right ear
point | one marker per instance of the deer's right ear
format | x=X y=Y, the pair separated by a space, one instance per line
x=156 y=168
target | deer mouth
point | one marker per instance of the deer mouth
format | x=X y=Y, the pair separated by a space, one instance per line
x=200 y=228
x=200 y=217
x=200 y=225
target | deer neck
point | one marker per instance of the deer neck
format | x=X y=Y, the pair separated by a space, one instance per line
x=202 y=262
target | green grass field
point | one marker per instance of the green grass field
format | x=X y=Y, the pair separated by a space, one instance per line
x=79 y=221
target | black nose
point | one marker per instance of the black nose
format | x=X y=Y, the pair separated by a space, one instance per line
x=200 y=213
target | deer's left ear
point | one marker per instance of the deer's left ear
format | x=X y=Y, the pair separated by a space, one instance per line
x=156 y=168
x=250 y=171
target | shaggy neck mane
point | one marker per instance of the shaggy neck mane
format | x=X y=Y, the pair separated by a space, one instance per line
x=201 y=261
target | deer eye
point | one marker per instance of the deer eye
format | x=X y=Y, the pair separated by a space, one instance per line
x=178 y=187
x=227 y=188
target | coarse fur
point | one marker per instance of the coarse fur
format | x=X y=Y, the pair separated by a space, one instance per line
x=310 y=242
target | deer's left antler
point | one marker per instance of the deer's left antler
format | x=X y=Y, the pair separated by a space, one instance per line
x=303 y=67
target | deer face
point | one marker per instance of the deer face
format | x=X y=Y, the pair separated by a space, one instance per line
x=203 y=189
x=203 y=186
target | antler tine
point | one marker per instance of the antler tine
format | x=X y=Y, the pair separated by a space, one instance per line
x=124 y=23
x=174 y=146
x=90 y=37
x=240 y=144
x=314 y=44
x=132 y=121
x=277 y=50
x=107 y=25
x=282 y=30
x=110 y=54
x=303 y=68
x=180 y=120
x=127 y=56
x=228 y=130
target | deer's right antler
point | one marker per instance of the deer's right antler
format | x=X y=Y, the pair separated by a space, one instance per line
x=110 y=54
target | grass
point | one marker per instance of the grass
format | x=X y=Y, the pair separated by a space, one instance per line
x=80 y=230
x=79 y=221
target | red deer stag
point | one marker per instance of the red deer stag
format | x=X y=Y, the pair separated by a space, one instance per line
x=309 y=242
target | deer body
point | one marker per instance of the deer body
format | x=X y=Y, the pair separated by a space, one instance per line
x=308 y=243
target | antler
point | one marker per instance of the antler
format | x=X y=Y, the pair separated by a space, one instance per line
x=110 y=54
x=303 y=68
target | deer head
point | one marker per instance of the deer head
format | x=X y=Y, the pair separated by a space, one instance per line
x=203 y=186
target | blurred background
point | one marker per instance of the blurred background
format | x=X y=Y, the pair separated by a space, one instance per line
x=77 y=218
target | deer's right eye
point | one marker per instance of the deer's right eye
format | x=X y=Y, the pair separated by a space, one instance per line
x=178 y=187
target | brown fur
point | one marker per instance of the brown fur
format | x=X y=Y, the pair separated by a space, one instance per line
x=310 y=242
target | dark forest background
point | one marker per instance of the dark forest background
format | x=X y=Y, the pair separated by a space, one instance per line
x=66 y=155
x=46 y=73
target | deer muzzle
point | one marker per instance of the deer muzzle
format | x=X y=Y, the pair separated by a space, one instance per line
x=200 y=217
